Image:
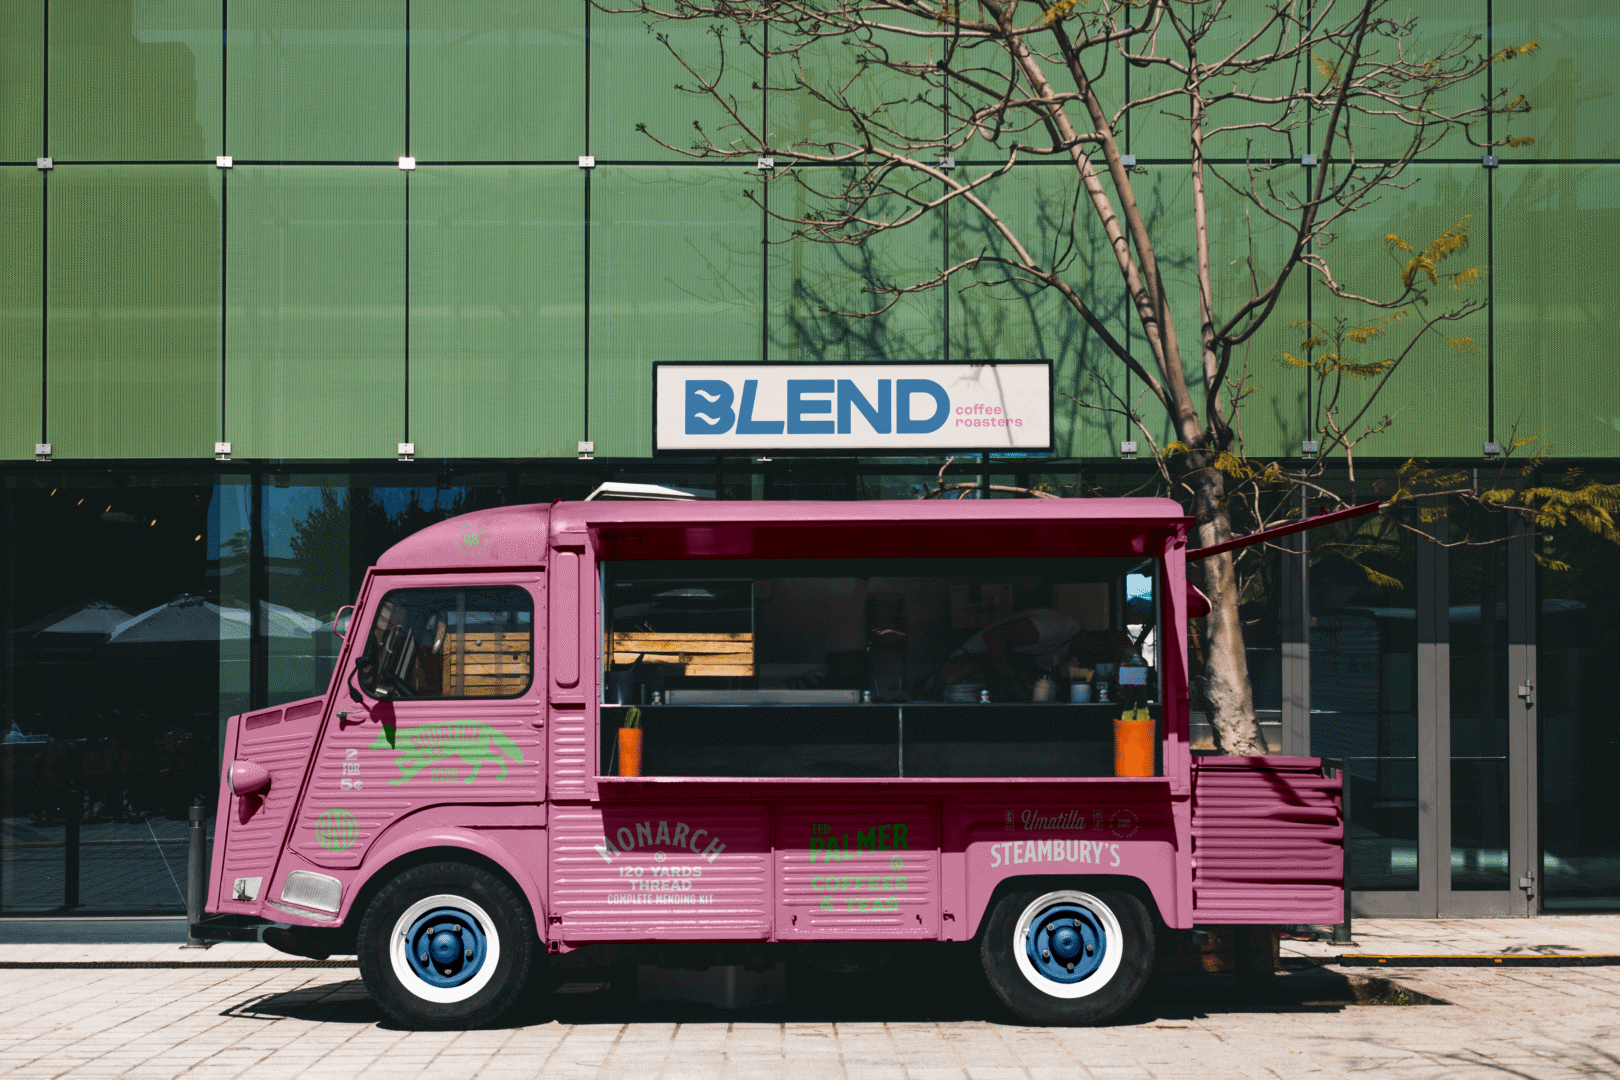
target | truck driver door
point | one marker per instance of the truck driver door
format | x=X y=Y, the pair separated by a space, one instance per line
x=449 y=709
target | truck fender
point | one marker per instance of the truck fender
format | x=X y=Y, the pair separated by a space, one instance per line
x=980 y=911
x=410 y=839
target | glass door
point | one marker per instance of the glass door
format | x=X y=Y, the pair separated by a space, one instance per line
x=1419 y=649
x=1483 y=737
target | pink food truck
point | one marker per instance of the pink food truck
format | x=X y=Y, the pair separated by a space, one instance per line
x=757 y=726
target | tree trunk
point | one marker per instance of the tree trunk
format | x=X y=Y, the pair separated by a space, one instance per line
x=1226 y=674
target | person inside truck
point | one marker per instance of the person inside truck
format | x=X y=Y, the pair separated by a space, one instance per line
x=1016 y=651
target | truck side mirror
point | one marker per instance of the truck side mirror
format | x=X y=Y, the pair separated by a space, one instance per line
x=340 y=621
x=365 y=667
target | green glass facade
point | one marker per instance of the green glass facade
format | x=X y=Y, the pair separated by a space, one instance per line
x=308 y=253
x=314 y=304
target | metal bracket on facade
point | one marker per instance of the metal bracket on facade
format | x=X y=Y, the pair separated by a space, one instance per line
x=1307 y=160
x=408 y=164
x=1492 y=451
x=587 y=451
x=1527 y=691
x=1308 y=449
x=222 y=451
x=947 y=163
x=1490 y=161
x=1128 y=160
x=42 y=451
x=1127 y=450
x=44 y=164
x=586 y=161
x=765 y=164
x=223 y=161
x=407 y=451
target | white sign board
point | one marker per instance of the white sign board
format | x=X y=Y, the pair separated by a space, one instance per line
x=873 y=408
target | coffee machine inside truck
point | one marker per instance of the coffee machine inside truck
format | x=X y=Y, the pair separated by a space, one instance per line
x=764 y=729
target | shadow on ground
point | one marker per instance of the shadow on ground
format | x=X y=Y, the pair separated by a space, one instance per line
x=947 y=991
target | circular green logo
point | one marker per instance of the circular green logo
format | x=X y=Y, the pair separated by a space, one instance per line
x=338 y=830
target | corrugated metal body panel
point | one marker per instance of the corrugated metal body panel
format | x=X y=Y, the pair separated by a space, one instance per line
x=464 y=751
x=570 y=752
x=133 y=280
x=1268 y=841
x=671 y=873
x=256 y=827
x=851 y=873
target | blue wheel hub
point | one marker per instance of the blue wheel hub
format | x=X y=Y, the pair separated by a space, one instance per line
x=446 y=947
x=1065 y=942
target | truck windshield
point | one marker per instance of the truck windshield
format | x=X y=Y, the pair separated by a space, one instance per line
x=878 y=667
x=450 y=643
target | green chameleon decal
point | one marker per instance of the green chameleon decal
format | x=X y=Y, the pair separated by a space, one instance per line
x=474 y=743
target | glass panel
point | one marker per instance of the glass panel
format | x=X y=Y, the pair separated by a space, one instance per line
x=497 y=311
x=316 y=82
x=1157 y=129
x=634 y=77
x=321 y=532
x=1569 y=82
x=22 y=79
x=315 y=318
x=1555 y=385
x=135 y=81
x=822 y=307
x=894 y=109
x=1437 y=27
x=1364 y=689
x=995 y=316
x=675 y=268
x=884 y=666
x=114 y=635
x=134 y=310
x=450 y=643
x=494 y=81
x=1577 y=639
x=1437 y=397
x=1479 y=702
x=22 y=205
x=1246 y=250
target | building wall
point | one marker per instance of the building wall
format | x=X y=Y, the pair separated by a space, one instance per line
x=315 y=301
x=314 y=304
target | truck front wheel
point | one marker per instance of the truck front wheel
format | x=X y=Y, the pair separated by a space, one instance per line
x=446 y=945
x=1066 y=956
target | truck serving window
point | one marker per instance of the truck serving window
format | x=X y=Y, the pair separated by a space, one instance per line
x=450 y=643
x=877 y=667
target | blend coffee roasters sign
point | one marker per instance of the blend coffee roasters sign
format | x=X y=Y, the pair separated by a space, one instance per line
x=732 y=408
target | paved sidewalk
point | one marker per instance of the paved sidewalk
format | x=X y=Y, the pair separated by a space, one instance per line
x=200 y=1019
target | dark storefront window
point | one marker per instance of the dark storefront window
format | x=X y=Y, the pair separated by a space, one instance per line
x=117 y=651
x=1578 y=637
x=1364 y=689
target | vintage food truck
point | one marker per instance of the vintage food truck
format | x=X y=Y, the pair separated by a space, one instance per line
x=772 y=725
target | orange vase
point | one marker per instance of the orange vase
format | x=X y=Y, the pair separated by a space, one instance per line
x=630 y=751
x=1133 y=747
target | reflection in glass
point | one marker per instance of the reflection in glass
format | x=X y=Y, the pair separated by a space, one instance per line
x=113 y=693
x=321 y=533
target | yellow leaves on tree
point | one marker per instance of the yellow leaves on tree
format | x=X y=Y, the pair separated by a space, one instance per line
x=1058 y=11
x=1426 y=263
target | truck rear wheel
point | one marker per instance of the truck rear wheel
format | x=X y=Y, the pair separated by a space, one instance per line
x=446 y=945
x=1066 y=956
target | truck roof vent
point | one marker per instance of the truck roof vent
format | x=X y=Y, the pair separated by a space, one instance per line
x=616 y=490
